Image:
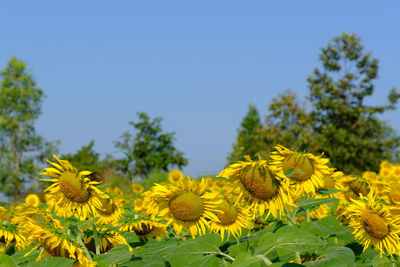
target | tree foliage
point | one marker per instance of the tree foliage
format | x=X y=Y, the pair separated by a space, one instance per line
x=20 y=146
x=338 y=122
x=346 y=128
x=150 y=149
x=250 y=137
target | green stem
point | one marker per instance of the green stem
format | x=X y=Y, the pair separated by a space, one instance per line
x=96 y=241
x=227 y=256
x=264 y=259
x=308 y=215
x=298 y=258
x=83 y=247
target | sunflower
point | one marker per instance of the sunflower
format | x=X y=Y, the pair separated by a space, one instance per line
x=10 y=235
x=354 y=186
x=305 y=170
x=186 y=206
x=232 y=218
x=374 y=224
x=137 y=188
x=175 y=176
x=261 y=188
x=107 y=239
x=138 y=205
x=54 y=242
x=110 y=211
x=385 y=165
x=396 y=171
x=385 y=173
x=32 y=200
x=70 y=194
x=391 y=193
x=145 y=228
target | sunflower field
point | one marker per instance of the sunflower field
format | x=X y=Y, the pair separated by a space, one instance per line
x=289 y=209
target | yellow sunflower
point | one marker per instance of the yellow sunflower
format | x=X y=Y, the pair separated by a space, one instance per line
x=138 y=205
x=391 y=193
x=175 y=176
x=54 y=242
x=10 y=234
x=354 y=186
x=385 y=174
x=396 y=171
x=70 y=193
x=186 y=206
x=232 y=218
x=110 y=211
x=32 y=200
x=306 y=170
x=374 y=224
x=385 y=165
x=137 y=188
x=108 y=240
x=145 y=228
x=262 y=189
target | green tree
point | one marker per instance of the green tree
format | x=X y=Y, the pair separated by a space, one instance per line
x=250 y=137
x=20 y=146
x=288 y=124
x=346 y=128
x=149 y=150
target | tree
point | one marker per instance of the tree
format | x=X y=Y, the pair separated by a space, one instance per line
x=149 y=150
x=347 y=129
x=20 y=146
x=288 y=124
x=250 y=137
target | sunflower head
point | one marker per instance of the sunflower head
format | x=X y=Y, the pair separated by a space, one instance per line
x=186 y=206
x=32 y=200
x=259 y=186
x=175 y=176
x=137 y=188
x=304 y=170
x=232 y=217
x=374 y=224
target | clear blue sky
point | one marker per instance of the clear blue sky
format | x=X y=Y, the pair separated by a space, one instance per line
x=196 y=64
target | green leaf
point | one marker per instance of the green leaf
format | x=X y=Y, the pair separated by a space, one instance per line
x=199 y=252
x=148 y=261
x=118 y=254
x=334 y=257
x=286 y=242
x=244 y=259
x=328 y=226
x=289 y=173
x=314 y=203
x=328 y=191
x=6 y=261
x=52 y=261
x=155 y=247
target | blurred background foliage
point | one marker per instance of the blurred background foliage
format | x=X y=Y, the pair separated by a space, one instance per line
x=333 y=119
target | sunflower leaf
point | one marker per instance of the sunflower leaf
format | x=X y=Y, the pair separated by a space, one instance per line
x=118 y=254
x=286 y=241
x=52 y=261
x=201 y=251
x=328 y=191
x=289 y=173
x=314 y=203
x=334 y=257
x=6 y=261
